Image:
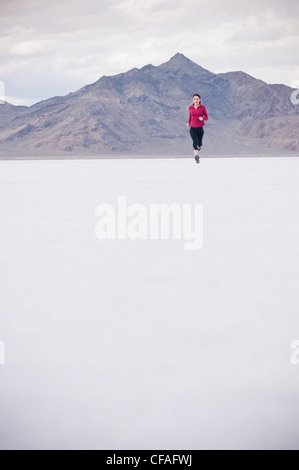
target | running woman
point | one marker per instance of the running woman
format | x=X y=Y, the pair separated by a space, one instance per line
x=197 y=115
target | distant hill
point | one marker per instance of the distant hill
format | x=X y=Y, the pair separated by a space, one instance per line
x=144 y=111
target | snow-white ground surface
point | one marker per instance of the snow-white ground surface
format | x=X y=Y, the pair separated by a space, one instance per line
x=141 y=344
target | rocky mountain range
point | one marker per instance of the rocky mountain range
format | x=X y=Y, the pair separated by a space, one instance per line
x=145 y=111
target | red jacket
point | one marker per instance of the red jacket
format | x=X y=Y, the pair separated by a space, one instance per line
x=195 y=114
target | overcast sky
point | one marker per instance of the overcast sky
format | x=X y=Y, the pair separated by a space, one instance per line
x=50 y=48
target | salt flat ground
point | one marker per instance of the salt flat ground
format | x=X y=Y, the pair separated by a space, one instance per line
x=141 y=344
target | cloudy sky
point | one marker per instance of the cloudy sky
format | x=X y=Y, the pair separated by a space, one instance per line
x=50 y=48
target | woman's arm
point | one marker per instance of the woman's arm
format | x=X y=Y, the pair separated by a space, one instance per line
x=205 y=114
x=189 y=122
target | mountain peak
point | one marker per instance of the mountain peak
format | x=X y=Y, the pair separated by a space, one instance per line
x=178 y=55
x=179 y=58
x=181 y=62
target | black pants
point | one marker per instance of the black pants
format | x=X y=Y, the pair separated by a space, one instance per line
x=196 y=135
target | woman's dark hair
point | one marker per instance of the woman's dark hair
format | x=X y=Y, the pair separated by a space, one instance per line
x=196 y=94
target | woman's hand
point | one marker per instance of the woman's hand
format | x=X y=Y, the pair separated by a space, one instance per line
x=201 y=118
x=188 y=125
